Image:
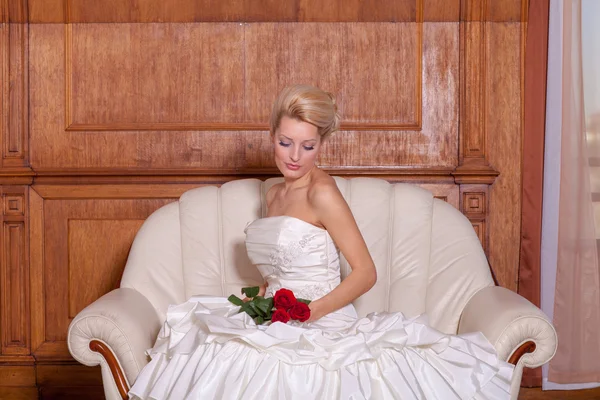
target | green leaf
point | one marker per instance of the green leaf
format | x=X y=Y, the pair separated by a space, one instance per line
x=253 y=305
x=264 y=305
x=235 y=300
x=251 y=291
x=259 y=320
x=304 y=301
x=249 y=310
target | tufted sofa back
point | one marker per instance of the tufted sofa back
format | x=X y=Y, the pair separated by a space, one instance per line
x=427 y=254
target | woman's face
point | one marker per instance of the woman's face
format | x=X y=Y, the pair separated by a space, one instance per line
x=297 y=146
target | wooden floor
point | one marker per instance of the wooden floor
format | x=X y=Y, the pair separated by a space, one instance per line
x=97 y=393
x=538 y=394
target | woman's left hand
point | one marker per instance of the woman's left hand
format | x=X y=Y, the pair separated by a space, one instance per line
x=315 y=311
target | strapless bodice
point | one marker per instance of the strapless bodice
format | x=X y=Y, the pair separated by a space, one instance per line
x=294 y=254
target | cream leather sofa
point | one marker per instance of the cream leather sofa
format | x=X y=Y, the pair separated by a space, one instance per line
x=428 y=259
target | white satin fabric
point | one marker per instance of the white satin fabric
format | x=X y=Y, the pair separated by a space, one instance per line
x=207 y=350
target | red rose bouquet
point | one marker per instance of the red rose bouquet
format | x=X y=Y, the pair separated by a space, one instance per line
x=282 y=307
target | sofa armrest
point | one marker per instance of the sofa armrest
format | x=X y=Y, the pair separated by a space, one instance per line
x=115 y=330
x=517 y=329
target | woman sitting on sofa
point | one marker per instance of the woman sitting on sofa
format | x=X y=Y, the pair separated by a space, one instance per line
x=207 y=349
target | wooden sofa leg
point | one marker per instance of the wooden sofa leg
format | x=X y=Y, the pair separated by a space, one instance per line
x=115 y=369
x=527 y=347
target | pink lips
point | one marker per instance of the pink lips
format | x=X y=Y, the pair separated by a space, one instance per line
x=293 y=167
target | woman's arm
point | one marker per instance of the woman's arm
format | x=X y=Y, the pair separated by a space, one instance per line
x=335 y=215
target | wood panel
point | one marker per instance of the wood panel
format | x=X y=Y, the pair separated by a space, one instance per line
x=14 y=274
x=79 y=246
x=503 y=122
x=17 y=376
x=14 y=86
x=14 y=11
x=474 y=203
x=140 y=84
x=58 y=253
x=18 y=393
x=97 y=248
x=129 y=80
x=433 y=145
x=90 y=11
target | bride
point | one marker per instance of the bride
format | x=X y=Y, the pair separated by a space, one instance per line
x=208 y=350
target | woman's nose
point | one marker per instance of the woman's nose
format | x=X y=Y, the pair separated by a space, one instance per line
x=295 y=155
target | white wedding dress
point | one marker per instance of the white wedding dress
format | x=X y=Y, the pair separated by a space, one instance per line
x=207 y=350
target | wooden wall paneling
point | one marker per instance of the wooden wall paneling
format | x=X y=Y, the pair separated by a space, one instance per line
x=441 y=10
x=143 y=70
x=18 y=393
x=90 y=11
x=434 y=145
x=67 y=381
x=14 y=96
x=474 y=203
x=535 y=61
x=98 y=252
x=14 y=168
x=473 y=165
x=14 y=272
x=72 y=393
x=36 y=268
x=129 y=80
x=492 y=10
x=445 y=192
x=70 y=246
x=345 y=59
x=503 y=119
x=18 y=382
x=359 y=10
x=13 y=11
x=17 y=376
x=47 y=11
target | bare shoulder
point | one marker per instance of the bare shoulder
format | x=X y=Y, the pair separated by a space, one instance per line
x=323 y=194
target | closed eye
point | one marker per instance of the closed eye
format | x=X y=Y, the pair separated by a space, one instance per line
x=284 y=144
x=309 y=148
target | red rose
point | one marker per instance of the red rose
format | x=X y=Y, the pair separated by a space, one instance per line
x=300 y=311
x=280 y=315
x=284 y=298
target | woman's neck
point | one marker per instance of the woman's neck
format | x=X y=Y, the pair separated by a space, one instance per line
x=291 y=184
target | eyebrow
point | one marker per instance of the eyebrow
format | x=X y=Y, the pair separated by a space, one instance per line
x=304 y=141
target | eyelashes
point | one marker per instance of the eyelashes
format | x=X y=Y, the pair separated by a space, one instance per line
x=307 y=148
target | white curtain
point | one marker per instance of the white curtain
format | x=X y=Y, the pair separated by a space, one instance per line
x=569 y=230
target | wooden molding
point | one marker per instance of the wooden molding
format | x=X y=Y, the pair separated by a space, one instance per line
x=225 y=126
x=117 y=373
x=473 y=96
x=14 y=126
x=36 y=268
x=16 y=360
x=14 y=11
x=474 y=204
x=474 y=174
x=14 y=271
x=45 y=176
x=527 y=347
x=68 y=11
x=16 y=176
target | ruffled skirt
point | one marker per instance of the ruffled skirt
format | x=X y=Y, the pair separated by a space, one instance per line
x=207 y=350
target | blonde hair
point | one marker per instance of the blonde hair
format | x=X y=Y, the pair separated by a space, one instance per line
x=309 y=104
